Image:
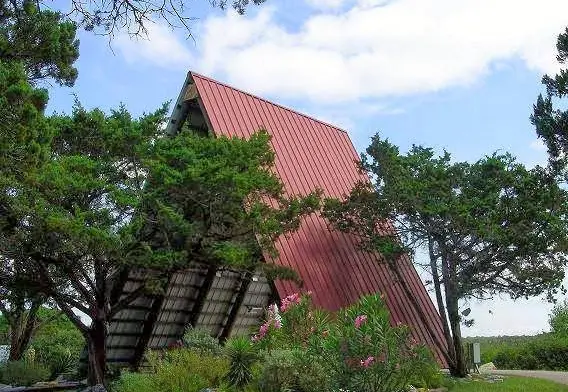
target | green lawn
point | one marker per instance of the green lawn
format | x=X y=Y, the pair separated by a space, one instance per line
x=510 y=384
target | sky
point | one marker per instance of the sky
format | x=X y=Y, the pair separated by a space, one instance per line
x=455 y=75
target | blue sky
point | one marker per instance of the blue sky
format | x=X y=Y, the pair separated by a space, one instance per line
x=455 y=75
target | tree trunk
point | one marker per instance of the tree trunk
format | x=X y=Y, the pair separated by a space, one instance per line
x=22 y=330
x=460 y=366
x=441 y=304
x=419 y=311
x=96 y=343
x=450 y=286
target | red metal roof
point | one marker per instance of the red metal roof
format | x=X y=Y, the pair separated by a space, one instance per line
x=311 y=154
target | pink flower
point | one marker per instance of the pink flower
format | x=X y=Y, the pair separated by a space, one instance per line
x=277 y=324
x=367 y=362
x=289 y=300
x=263 y=330
x=294 y=298
x=310 y=292
x=360 y=320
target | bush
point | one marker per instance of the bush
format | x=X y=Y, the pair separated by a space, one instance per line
x=23 y=373
x=359 y=350
x=558 y=319
x=178 y=370
x=493 y=345
x=57 y=343
x=134 y=382
x=292 y=370
x=200 y=341
x=547 y=352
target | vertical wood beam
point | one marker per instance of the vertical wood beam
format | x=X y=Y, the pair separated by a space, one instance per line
x=149 y=324
x=202 y=295
x=238 y=298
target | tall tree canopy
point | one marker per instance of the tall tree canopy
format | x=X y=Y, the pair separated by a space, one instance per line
x=35 y=46
x=24 y=140
x=43 y=41
x=551 y=118
x=489 y=227
x=117 y=193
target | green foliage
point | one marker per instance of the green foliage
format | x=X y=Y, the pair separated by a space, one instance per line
x=358 y=350
x=197 y=188
x=118 y=193
x=57 y=343
x=550 y=116
x=42 y=40
x=558 y=319
x=23 y=373
x=201 y=341
x=292 y=370
x=279 y=372
x=134 y=382
x=547 y=352
x=179 y=370
x=242 y=356
x=489 y=227
x=541 y=352
x=493 y=345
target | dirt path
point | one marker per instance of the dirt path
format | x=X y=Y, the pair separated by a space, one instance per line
x=559 y=377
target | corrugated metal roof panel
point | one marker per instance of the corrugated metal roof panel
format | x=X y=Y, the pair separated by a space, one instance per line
x=311 y=154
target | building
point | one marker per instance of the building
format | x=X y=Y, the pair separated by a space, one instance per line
x=310 y=154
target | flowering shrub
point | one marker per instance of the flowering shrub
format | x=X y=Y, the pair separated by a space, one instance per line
x=359 y=349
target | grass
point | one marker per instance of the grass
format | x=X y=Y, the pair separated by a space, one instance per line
x=510 y=384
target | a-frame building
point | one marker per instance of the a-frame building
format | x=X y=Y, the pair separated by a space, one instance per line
x=310 y=154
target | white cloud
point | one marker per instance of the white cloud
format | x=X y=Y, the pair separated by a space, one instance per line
x=326 y=4
x=376 y=49
x=161 y=47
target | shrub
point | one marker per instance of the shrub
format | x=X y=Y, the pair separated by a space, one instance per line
x=23 y=373
x=242 y=356
x=58 y=343
x=292 y=370
x=493 y=345
x=558 y=319
x=359 y=350
x=547 y=352
x=200 y=341
x=177 y=370
x=134 y=382
x=278 y=372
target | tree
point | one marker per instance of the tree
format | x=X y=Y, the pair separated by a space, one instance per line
x=35 y=46
x=489 y=227
x=104 y=17
x=24 y=134
x=117 y=193
x=43 y=41
x=558 y=319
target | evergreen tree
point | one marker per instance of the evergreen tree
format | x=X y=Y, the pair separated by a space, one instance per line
x=488 y=227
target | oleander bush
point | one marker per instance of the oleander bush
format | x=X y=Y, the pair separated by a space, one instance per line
x=298 y=348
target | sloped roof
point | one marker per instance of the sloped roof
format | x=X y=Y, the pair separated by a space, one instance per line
x=312 y=154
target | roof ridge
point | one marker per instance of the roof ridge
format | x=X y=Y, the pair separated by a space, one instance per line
x=268 y=101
